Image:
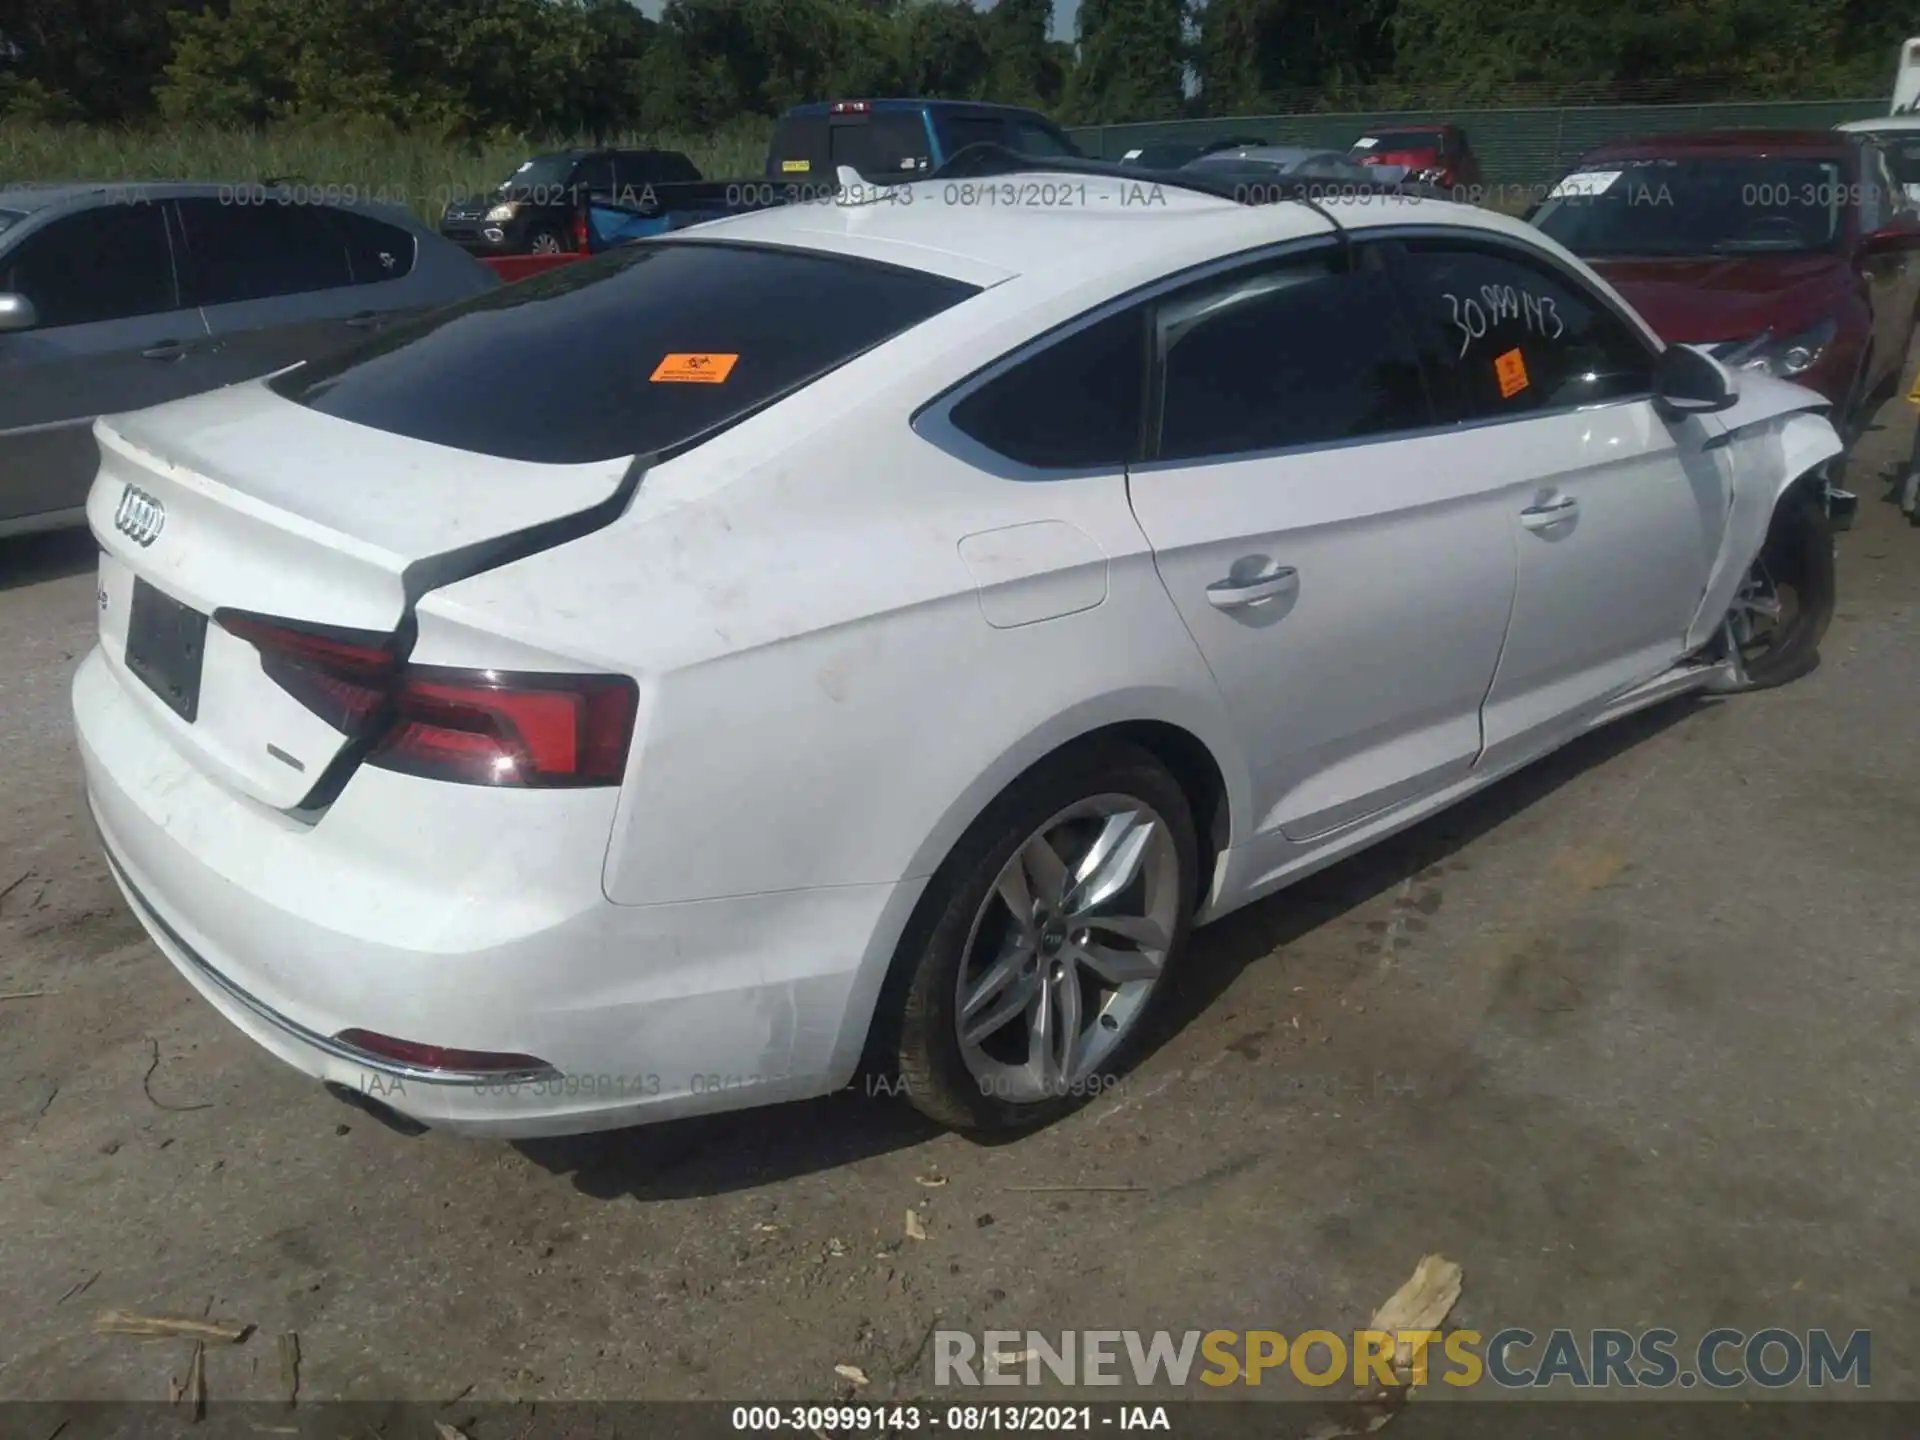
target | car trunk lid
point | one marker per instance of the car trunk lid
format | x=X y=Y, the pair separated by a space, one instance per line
x=241 y=503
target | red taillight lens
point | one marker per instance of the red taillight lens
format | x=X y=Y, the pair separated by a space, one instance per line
x=475 y=727
x=439 y=1058
x=480 y=728
x=343 y=676
x=582 y=234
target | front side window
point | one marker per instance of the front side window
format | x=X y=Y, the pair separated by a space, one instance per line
x=1074 y=404
x=1699 y=206
x=107 y=263
x=1300 y=352
x=641 y=350
x=238 y=253
x=1513 y=335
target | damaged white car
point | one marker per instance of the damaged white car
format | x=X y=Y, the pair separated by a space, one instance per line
x=878 y=632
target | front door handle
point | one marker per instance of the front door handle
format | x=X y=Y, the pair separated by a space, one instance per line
x=365 y=320
x=165 y=350
x=1550 y=512
x=1231 y=594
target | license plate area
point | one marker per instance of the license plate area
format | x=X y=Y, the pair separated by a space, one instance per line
x=166 y=642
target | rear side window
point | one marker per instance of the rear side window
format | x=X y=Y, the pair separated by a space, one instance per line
x=107 y=263
x=1302 y=352
x=376 y=251
x=1073 y=405
x=238 y=253
x=653 y=167
x=799 y=147
x=644 y=349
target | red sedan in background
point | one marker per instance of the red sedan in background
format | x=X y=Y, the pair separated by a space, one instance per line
x=1790 y=252
x=1436 y=154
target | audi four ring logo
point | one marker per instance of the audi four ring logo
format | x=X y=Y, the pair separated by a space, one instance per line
x=140 y=516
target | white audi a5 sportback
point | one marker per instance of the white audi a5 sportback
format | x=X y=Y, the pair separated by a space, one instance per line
x=876 y=633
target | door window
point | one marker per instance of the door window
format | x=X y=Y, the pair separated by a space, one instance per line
x=1512 y=336
x=1302 y=352
x=107 y=263
x=240 y=253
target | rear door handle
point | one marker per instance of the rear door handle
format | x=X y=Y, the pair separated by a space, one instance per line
x=1233 y=594
x=1550 y=512
x=365 y=320
x=165 y=350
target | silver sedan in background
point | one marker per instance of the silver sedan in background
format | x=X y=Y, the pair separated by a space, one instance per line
x=117 y=297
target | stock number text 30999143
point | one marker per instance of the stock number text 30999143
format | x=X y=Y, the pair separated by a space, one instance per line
x=950 y=1419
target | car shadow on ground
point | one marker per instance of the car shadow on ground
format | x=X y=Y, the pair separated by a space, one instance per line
x=713 y=1155
x=54 y=555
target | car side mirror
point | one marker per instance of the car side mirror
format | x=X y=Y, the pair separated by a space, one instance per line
x=1687 y=382
x=1889 y=239
x=17 y=313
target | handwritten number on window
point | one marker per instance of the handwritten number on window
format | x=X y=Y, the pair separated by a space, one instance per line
x=1503 y=303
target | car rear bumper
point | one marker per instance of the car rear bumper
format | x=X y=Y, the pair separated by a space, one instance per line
x=298 y=933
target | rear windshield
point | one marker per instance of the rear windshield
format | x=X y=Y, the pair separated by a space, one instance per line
x=639 y=350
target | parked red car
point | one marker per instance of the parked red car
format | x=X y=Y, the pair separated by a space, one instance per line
x=1436 y=154
x=1792 y=252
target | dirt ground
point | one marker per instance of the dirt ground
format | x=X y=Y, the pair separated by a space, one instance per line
x=1631 y=1037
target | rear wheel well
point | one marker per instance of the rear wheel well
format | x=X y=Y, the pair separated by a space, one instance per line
x=1193 y=768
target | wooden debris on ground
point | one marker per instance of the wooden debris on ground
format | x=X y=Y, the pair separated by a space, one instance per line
x=197 y=1380
x=916 y=1230
x=1422 y=1303
x=851 y=1372
x=120 y=1322
x=290 y=1366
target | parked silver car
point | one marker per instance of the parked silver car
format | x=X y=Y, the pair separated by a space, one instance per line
x=117 y=297
x=1255 y=163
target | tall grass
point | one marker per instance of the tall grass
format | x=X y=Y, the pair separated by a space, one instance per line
x=422 y=172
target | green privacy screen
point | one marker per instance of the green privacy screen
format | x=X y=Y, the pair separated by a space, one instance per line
x=1520 y=148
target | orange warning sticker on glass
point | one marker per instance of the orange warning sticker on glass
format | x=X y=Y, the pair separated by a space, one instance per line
x=694 y=369
x=1512 y=372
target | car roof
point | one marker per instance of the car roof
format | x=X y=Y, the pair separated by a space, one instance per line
x=1412 y=127
x=1719 y=142
x=1270 y=154
x=31 y=199
x=1074 y=225
x=1880 y=123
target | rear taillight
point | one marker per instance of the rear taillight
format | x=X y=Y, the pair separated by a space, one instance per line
x=343 y=676
x=485 y=728
x=474 y=727
x=582 y=232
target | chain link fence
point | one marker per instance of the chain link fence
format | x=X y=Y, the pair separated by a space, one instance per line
x=1519 y=149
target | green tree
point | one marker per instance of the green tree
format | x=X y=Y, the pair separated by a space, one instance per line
x=1132 y=61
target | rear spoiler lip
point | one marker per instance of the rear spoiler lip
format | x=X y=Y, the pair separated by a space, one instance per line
x=450 y=566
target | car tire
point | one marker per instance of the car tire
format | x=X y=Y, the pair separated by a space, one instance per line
x=965 y=932
x=1795 y=564
x=554 y=242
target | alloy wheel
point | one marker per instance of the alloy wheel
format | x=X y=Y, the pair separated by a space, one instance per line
x=1065 y=950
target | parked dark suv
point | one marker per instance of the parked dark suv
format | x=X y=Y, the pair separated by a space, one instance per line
x=117 y=297
x=532 y=211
